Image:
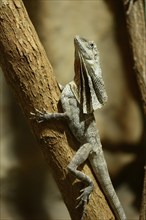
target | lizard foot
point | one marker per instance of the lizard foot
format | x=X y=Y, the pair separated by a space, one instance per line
x=38 y=115
x=84 y=197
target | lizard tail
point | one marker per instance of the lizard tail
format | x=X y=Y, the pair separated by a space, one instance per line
x=100 y=169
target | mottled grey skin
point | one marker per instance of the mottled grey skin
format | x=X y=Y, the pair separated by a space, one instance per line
x=83 y=126
x=79 y=99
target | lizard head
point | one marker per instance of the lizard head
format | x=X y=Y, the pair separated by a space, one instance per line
x=88 y=76
x=86 y=49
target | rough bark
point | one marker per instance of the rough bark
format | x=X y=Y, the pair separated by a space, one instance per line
x=137 y=34
x=30 y=75
x=136 y=27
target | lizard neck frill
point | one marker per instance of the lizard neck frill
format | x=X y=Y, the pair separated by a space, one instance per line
x=85 y=86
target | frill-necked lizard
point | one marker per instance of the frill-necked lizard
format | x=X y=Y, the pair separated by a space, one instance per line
x=79 y=99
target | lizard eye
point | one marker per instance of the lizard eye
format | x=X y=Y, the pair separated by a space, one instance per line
x=91 y=45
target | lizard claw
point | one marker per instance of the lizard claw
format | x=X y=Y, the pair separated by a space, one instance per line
x=84 y=197
x=81 y=203
x=37 y=115
x=38 y=111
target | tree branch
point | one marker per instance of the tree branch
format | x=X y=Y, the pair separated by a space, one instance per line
x=29 y=74
x=136 y=26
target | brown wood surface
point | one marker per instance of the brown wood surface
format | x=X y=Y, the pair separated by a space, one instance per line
x=30 y=75
x=135 y=19
x=136 y=26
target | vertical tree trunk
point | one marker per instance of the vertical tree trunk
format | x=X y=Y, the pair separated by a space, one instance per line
x=137 y=32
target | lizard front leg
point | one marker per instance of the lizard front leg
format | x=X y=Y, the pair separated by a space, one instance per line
x=79 y=158
x=46 y=116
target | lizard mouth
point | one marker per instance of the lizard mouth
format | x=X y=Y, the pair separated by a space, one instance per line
x=77 y=39
x=81 y=46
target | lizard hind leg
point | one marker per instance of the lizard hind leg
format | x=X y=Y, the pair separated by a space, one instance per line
x=78 y=159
